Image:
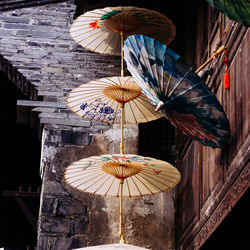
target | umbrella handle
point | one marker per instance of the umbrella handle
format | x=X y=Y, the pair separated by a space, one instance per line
x=214 y=56
x=122 y=123
x=122 y=55
x=122 y=239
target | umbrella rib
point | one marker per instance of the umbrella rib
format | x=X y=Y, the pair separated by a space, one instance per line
x=86 y=45
x=128 y=187
x=139 y=100
x=108 y=43
x=139 y=174
x=163 y=174
x=93 y=183
x=136 y=185
x=91 y=180
x=105 y=181
x=143 y=184
x=95 y=114
x=78 y=99
x=181 y=80
x=83 y=97
x=110 y=186
x=80 y=171
x=132 y=112
x=188 y=128
x=84 y=181
x=185 y=91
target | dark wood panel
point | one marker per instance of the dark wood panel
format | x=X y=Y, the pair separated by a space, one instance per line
x=210 y=180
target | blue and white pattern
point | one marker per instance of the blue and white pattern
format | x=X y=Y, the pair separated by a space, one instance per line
x=182 y=96
x=91 y=101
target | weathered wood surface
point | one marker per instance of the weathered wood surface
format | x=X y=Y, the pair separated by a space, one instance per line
x=213 y=180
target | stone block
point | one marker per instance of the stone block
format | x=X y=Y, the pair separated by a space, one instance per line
x=56 y=243
x=75 y=138
x=55 y=225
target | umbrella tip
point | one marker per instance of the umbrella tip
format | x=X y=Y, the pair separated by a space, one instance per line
x=160 y=106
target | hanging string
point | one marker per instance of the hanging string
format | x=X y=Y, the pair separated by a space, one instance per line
x=226 y=74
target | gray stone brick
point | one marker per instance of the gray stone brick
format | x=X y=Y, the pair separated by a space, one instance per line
x=75 y=138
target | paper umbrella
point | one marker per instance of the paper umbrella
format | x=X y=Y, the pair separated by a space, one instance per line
x=121 y=175
x=103 y=30
x=175 y=89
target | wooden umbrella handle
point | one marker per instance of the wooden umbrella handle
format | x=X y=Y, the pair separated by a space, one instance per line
x=214 y=56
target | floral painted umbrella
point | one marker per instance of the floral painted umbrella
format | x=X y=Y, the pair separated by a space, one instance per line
x=238 y=10
x=102 y=30
x=121 y=175
x=175 y=89
x=112 y=100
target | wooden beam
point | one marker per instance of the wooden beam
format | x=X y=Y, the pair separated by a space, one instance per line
x=30 y=217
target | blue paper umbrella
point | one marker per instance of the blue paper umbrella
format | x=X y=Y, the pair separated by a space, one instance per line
x=174 y=88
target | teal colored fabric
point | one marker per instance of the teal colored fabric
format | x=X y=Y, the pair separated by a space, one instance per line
x=237 y=10
x=165 y=78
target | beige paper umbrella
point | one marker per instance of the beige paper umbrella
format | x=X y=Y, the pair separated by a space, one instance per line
x=121 y=175
x=101 y=99
x=102 y=30
x=112 y=100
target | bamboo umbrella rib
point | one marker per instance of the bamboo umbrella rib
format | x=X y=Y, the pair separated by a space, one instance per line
x=144 y=176
x=136 y=177
x=86 y=111
x=93 y=183
x=111 y=184
x=132 y=112
x=104 y=182
x=128 y=188
x=93 y=177
x=139 y=100
x=91 y=171
x=154 y=189
x=91 y=41
x=188 y=127
x=80 y=98
x=131 y=178
x=146 y=62
x=141 y=112
x=108 y=43
x=164 y=174
x=91 y=33
x=180 y=81
x=186 y=90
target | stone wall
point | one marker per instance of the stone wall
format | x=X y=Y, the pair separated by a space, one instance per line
x=39 y=56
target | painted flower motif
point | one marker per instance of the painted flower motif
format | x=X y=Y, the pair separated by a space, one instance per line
x=85 y=166
x=106 y=110
x=83 y=106
x=105 y=158
x=156 y=171
x=94 y=25
x=123 y=158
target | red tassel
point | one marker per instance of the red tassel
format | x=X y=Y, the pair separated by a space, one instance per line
x=226 y=74
x=226 y=79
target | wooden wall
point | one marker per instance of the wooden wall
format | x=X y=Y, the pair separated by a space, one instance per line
x=213 y=180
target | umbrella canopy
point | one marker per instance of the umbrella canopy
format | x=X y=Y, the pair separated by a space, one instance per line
x=113 y=247
x=121 y=175
x=101 y=99
x=238 y=10
x=100 y=30
x=180 y=94
x=103 y=174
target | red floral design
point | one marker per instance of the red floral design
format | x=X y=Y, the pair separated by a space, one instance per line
x=94 y=25
x=156 y=171
x=115 y=158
